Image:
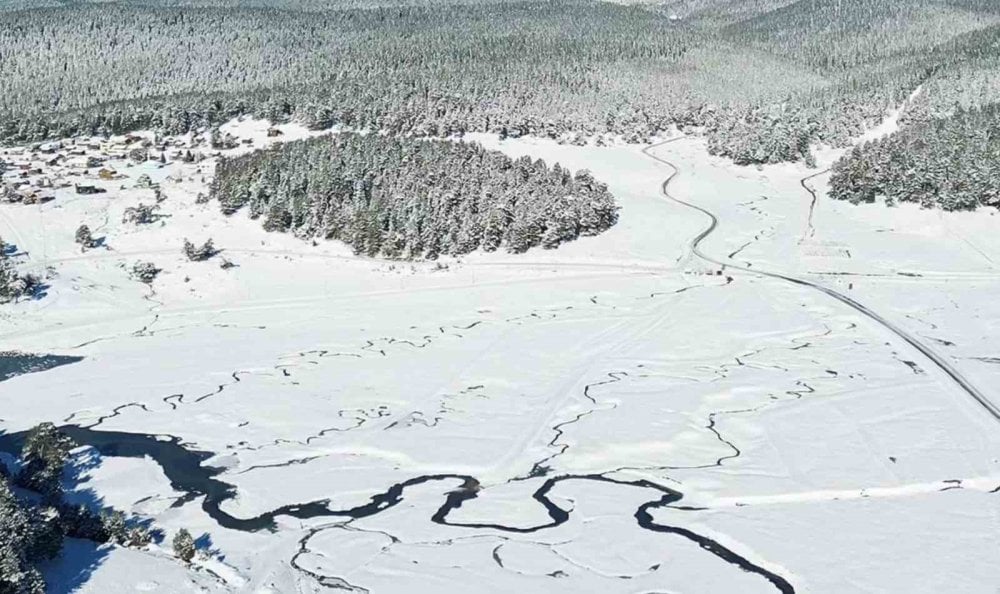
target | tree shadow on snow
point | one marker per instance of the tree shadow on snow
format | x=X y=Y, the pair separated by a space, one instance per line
x=204 y=544
x=39 y=291
x=73 y=568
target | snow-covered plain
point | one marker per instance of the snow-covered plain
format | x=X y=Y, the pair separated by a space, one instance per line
x=804 y=437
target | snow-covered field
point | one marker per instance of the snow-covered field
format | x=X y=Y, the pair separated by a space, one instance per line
x=809 y=443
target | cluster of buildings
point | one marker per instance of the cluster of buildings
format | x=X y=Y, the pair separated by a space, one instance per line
x=32 y=174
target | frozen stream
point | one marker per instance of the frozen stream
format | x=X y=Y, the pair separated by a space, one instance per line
x=731 y=390
x=187 y=473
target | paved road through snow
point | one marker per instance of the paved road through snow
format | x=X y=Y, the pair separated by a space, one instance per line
x=967 y=386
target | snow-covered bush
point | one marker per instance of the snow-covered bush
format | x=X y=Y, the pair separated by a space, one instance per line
x=141 y=215
x=199 y=253
x=144 y=272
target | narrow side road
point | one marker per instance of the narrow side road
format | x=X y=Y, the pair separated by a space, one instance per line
x=940 y=362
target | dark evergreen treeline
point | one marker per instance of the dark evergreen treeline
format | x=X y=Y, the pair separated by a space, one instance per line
x=406 y=198
x=950 y=162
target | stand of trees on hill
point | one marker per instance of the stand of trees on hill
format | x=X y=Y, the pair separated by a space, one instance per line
x=951 y=163
x=408 y=198
x=947 y=152
x=763 y=80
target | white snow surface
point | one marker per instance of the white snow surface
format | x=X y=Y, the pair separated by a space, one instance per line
x=809 y=439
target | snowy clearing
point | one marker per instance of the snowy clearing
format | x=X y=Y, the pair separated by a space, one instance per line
x=809 y=447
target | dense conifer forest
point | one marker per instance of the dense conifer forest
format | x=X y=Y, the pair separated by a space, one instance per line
x=947 y=154
x=406 y=198
x=950 y=162
x=763 y=80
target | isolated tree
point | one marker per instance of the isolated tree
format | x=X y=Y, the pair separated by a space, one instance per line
x=84 y=237
x=183 y=545
x=145 y=272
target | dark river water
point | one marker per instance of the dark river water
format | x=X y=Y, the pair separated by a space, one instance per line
x=186 y=470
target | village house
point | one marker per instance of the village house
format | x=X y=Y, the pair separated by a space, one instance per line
x=50 y=147
x=87 y=189
x=84 y=162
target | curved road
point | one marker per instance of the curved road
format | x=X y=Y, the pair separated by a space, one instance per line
x=940 y=362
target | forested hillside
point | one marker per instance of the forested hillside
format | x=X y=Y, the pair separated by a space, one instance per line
x=947 y=154
x=950 y=162
x=764 y=80
x=542 y=68
x=406 y=198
